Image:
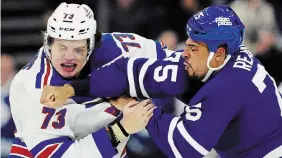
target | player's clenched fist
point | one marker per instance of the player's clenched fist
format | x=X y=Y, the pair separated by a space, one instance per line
x=136 y=115
x=56 y=95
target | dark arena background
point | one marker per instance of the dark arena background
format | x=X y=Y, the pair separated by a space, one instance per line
x=23 y=21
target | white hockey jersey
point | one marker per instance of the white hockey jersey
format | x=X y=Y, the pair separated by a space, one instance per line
x=47 y=131
x=69 y=131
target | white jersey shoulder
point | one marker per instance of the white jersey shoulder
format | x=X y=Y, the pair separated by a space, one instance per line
x=34 y=122
x=29 y=116
x=134 y=45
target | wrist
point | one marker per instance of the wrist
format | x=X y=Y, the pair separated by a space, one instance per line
x=121 y=127
x=69 y=90
x=119 y=131
x=117 y=134
x=123 y=124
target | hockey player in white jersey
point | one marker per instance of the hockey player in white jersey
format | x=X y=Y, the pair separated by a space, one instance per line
x=74 y=130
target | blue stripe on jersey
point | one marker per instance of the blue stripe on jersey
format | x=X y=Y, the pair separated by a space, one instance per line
x=91 y=104
x=67 y=141
x=62 y=149
x=103 y=143
x=82 y=99
x=19 y=150
x=159 y=49
x=15 y=156
x=17 y=141
x=41 y=72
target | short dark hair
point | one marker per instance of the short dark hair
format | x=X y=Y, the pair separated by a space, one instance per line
x=98 y=39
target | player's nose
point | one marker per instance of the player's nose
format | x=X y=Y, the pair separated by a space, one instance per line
x=69 y=55
x=185 y=54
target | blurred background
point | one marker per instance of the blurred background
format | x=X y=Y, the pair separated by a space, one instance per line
x=165 y=20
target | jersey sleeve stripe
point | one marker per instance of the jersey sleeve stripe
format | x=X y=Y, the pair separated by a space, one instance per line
x=103 y=143
x=40 y=73
x=56 y=146
x=18 y=142
x=62 y=149
x=20 y=146
x=18 y=156
x=160 y=49
x=19 y=151
x=112 y=111
x=132 y=89
x=258 y=79
x=275 y=153
x=190 y=140
x=91 y=103
x=142 y=75
x=43 y=77
x=47 y=75
x=117 y=42
x=171 y=129
x=48 y=150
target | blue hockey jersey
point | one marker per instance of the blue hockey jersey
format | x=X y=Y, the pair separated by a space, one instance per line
x=140 y=77
x=237 y=111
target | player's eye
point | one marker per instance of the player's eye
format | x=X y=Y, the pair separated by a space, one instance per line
x=193 y=49
x=79 y=50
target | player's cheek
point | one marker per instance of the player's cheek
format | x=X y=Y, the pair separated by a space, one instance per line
x=80 y=64
x=57 y=65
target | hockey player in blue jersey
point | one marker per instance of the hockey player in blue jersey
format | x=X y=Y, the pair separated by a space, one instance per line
x=238 y=110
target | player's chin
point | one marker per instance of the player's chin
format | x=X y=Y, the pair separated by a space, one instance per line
x=66 y=74
x=190 y=72
x=193 y=75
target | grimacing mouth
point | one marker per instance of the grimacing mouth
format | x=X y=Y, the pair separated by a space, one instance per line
x=69 y=65
x=189 y=65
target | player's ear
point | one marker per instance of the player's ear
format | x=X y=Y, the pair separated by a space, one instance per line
x=220 y=54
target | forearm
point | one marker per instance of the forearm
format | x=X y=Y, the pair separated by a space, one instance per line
x=81 y=87
x=98 y=116
x=172 y=136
